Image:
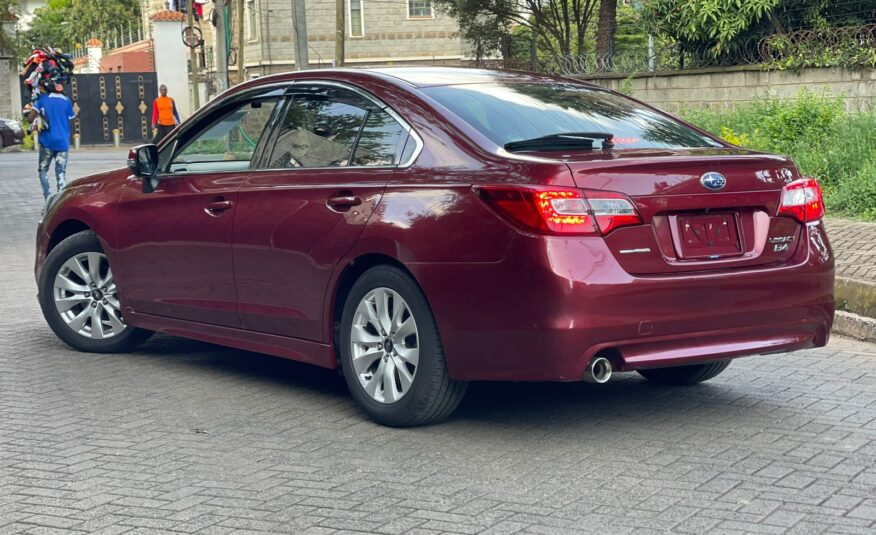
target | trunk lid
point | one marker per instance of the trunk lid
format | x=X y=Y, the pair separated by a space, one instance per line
x=689 y=226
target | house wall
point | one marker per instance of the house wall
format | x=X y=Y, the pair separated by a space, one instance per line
x=389 y=36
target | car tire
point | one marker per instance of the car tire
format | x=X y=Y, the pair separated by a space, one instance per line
x=385 y=379
x=685 y=375
x=79 y=298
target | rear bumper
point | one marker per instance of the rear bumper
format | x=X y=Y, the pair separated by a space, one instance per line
x=554 y=303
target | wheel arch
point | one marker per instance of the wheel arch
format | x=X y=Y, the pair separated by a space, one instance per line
x=64 y=230
x=348 y=277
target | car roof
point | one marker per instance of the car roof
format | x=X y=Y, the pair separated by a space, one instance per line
x=436 y=76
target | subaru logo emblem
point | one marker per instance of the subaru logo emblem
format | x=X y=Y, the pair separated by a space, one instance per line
x=713 y=181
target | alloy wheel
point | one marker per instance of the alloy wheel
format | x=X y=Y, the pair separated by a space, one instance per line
x=86 y=298
x=385 y=345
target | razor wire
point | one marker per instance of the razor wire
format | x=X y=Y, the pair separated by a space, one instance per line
x=849 y=46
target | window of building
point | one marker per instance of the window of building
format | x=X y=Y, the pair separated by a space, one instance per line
x=252 y=20
x=357 y=22
x=420 y=9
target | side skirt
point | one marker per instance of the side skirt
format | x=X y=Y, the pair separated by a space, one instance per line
x=270 y=344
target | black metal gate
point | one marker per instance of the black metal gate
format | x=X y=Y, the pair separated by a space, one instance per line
x=111 y=101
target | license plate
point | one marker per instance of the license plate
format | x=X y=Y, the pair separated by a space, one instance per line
x=708 y=236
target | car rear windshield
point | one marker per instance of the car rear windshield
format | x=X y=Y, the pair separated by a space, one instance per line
x=521 y=111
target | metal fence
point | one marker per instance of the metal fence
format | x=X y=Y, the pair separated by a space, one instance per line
x=851 y=46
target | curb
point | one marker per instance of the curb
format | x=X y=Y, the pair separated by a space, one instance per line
x=858 y=297
x=855 y=326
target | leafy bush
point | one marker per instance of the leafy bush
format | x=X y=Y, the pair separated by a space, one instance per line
x=837 y=147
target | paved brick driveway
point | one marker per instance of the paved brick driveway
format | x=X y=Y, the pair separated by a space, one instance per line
x=189 y=437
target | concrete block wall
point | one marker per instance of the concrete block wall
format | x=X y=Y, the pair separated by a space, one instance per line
x=10 y=94
x=389 y=36
x=730 y=86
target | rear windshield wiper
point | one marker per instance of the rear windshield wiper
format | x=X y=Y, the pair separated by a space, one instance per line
x=567 y=140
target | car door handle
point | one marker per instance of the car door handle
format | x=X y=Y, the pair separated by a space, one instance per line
x=344 y=201
x=218 y=206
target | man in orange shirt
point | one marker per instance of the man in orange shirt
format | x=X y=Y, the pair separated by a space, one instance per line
x=164 y=115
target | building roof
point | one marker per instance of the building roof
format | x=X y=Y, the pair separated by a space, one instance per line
x=94 y=42
x=167 y=15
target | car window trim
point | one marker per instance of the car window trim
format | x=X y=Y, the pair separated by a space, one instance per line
x=382 y=106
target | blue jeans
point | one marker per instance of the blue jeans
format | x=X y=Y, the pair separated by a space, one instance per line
x=46 y=157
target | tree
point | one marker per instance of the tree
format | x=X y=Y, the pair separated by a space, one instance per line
x=66 y=23
x=48 y=25
x=560 y=25
x=606 y=30
x=712 y=24
x=720 y=25
x=9 y=10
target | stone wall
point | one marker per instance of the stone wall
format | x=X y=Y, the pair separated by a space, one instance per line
x=729 y=86
x=10 y=94
x=389 y=37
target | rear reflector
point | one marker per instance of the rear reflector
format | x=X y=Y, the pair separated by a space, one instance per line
x=561 y=211
x=802 y=200
x=612 y=210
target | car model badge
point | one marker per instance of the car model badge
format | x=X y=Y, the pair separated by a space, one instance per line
x=713 y=181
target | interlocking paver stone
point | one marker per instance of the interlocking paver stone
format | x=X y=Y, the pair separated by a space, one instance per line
x=186 y=437
x=854 y=245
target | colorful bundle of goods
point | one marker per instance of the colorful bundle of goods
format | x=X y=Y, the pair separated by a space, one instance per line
x=47 y=68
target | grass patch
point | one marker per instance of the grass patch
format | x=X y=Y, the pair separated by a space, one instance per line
x=826 y=142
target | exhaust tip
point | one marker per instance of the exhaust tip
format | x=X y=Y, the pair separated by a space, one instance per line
x=599 y=370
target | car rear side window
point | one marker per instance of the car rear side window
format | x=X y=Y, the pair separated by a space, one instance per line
x=381 y=141
x=335 y=127
x=514 y=112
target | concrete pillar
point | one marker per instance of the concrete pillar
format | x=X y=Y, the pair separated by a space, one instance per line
x=94 y=51
x=10 y=92
x=171 y=57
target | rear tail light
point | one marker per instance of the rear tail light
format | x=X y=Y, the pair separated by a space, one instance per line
x=802 y=200
x=561 y=210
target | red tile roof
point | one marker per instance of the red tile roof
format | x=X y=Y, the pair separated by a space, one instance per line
x=168 y=16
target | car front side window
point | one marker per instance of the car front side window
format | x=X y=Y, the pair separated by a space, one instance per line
x=228 y=143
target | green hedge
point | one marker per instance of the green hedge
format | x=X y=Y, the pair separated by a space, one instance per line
x=826 y=142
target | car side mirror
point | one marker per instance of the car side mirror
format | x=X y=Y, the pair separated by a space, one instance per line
x=143 y=162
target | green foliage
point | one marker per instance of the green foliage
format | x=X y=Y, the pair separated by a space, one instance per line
x=68 y=23
x=9 y=9
x=830 y=48
x=837 y=147
x=715 y=24
x=857 y=194
x=561 y=25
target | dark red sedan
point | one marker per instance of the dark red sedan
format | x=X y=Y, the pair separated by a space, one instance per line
x=419 y=228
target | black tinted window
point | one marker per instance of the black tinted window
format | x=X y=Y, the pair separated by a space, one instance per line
x=319 y=128
x=381 y=140
x=514 y=112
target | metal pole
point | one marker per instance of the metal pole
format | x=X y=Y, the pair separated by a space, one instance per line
x=299 y=26
x=241 y=75
x=340 y=33
x=193 y=64
x=221 y=47
x=651 y=61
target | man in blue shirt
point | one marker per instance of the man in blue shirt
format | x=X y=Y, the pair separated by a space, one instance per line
x=55 y=113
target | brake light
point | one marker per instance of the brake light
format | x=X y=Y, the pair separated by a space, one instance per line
x=802 y=200
x=561 y=211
